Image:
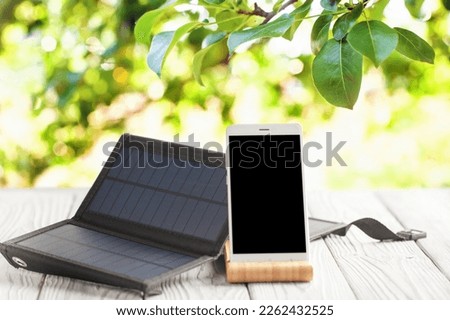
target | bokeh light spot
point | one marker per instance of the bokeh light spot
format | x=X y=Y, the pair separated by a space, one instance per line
x=120 y=75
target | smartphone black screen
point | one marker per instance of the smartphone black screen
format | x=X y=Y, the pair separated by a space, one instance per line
x=266 y=194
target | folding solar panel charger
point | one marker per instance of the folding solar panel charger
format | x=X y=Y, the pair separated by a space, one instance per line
x=156 y=209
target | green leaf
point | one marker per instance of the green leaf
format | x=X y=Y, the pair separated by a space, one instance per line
x=414 y=47
x=446 y=4
x=330 y=5
x=298 y=14
x=337 y=73
x=346 y=22
x=274 y=28
x=163 y=43
x=301 y=9
x=277 y=5
x=374 y=39
x=155 y=4
x=415 y=8
x=207 y=57
x=212 y=38
x=214 y=1
x=376 y=11
x=144 y=25
x=160 y=45
x=320 y=30
x=228 y=20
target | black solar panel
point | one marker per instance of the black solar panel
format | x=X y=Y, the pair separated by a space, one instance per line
x=106 y=252
x=189 y=200
x=154 y=208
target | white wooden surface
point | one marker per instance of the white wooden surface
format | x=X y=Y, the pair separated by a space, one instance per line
x=352 y=267
x=427 y=209
x=22 y=211
x=374 y=270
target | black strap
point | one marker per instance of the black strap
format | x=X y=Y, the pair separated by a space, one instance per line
x=375 y=229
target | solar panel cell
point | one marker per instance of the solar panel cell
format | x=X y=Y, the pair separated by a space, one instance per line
x=107 y=252
x=166 y=196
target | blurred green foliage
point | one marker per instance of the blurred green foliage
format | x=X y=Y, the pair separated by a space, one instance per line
x=71 y=75
x=337 y=68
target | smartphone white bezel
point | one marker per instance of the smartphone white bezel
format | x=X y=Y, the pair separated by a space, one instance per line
x=264 y=129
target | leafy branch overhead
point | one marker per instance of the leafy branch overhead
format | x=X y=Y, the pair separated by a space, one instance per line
x=343 y=32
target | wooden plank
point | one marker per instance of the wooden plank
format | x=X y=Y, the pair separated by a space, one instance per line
x=328 y=282
x=205 y=282
x=427 y=210
x=377 y=270
x=56 y=288
x=22 y=211
x=78 y=196
x=25 y=210
x=373 y=269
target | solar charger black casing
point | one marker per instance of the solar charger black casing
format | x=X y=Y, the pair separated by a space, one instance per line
x=156 y=210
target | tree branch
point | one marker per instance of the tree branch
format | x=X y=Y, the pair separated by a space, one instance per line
x=272 y=14
x=257 y=11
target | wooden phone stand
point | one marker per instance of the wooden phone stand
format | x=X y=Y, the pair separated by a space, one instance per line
x=285 y=271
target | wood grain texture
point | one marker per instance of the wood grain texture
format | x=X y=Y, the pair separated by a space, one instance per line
x=57 y=288
x=345 y=267
x=373 y=269
x=22 y=211
x=427 y=210
x=25 y=210
x=205 y=282
x=78 y=196
x=270 y=271
x=328 y=282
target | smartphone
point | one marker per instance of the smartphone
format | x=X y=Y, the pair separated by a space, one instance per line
x=266 y=198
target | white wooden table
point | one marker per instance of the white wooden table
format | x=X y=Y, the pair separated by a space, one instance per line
x=352 y=267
